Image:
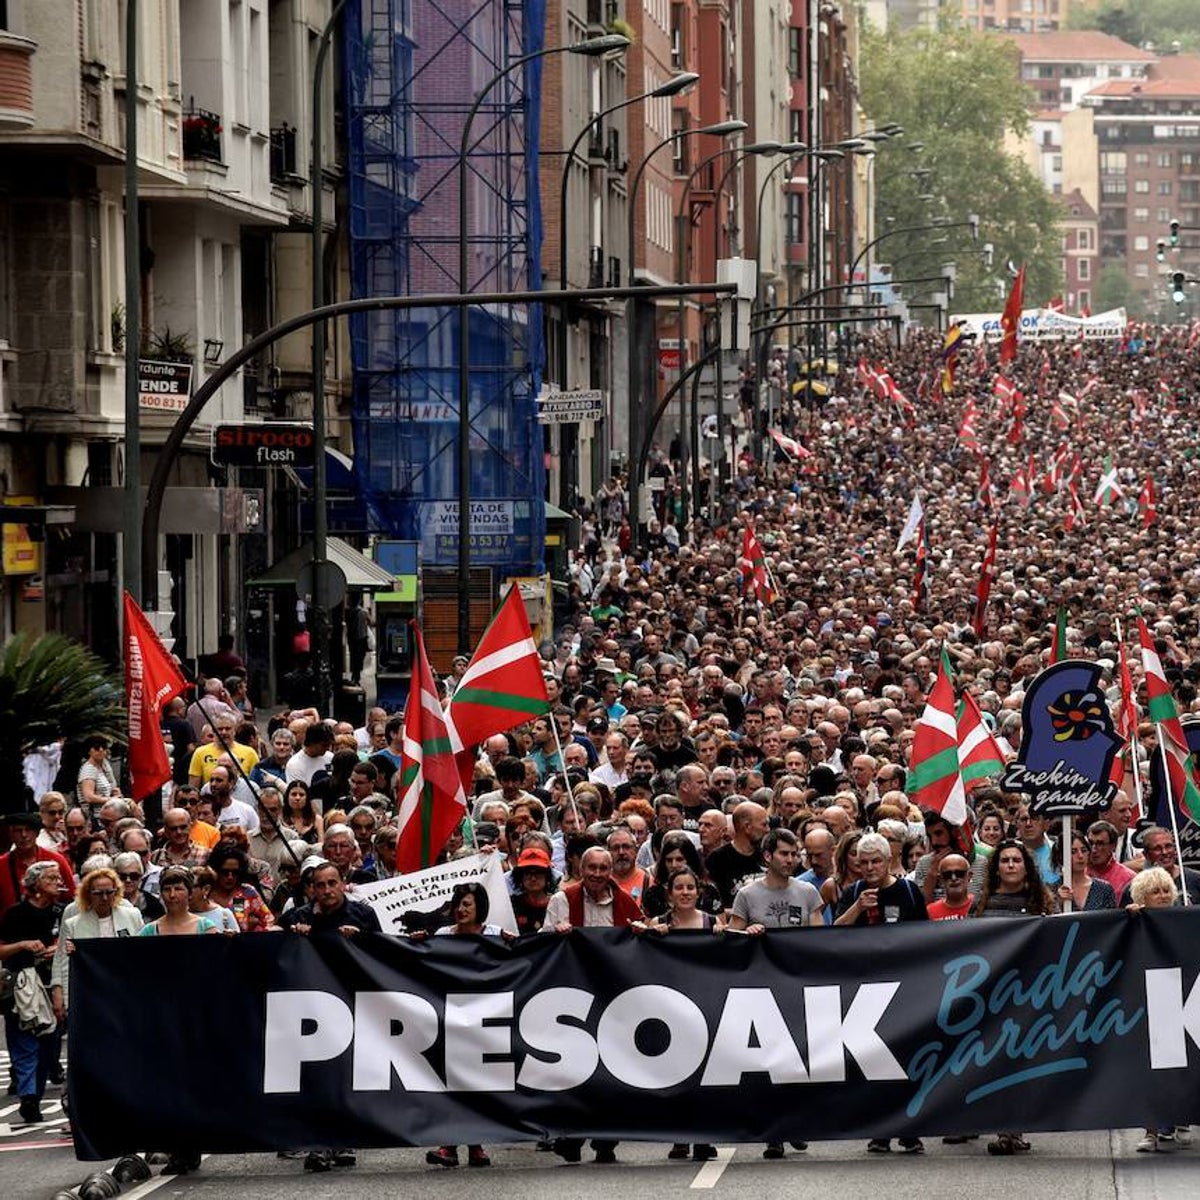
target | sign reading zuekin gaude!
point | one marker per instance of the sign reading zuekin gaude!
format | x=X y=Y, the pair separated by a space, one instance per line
x=274 y=444
x=1074 y=1022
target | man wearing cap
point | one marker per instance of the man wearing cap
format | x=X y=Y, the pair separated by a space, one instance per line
x=23 y=829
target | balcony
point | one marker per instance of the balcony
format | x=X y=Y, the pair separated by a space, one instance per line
x=201 y=135
x=283 y=153
x=16 y=81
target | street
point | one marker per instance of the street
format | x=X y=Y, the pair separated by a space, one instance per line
x=1084 y=1166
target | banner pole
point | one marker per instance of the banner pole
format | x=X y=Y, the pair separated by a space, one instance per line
x=1162 y=747
x=1068 y=905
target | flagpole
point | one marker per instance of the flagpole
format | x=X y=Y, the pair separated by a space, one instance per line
x=1131 y=763
x=1162 y=747
x=565 y=776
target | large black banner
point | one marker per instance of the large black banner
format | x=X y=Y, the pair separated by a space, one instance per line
x=280 y=1041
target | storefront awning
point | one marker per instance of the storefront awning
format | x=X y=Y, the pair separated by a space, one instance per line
x=361 y=572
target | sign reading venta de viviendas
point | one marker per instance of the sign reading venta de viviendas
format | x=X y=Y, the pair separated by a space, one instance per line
x=1077 y=1022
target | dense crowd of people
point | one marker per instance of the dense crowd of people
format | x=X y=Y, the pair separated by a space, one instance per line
x=719 y=756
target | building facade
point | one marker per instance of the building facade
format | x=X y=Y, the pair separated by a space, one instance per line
x=223 y=127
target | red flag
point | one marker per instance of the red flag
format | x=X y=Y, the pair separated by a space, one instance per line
x=985 y=484
x=755 y=568
x=985 y=583
x=1010 y=321
x=920 y=596
x=1075 y=510
x=503 y=685
x=151 y=679
x=430 y=791
x=1146 y=503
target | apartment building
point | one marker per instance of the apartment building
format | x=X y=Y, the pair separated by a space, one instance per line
x=222 y=112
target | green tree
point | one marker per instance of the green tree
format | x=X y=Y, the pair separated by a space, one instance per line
x=960 y=96
x=50 y=687
x=1162 y=22
x=1114 y=290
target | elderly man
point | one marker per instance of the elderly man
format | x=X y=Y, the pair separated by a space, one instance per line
x=220 y=743
x=274 y=842
x=341 y=849
x=178 y=849
x=592 y=903
x=1159 y=845
x=273 y=770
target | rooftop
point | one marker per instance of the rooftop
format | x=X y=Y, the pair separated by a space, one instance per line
x=1078 y=45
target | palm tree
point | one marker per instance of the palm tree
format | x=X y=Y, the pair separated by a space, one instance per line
x=50 y=687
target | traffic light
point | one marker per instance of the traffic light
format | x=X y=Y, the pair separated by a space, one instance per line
x=1177 y=282
x=1160 y=250
x=1174 y=228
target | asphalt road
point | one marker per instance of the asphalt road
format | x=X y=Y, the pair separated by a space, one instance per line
x=1085 y=1166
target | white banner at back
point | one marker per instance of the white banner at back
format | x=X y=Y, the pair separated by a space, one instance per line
x=1040 y=324
x=424 y=891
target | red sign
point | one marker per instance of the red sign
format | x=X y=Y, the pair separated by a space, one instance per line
x=668 y=360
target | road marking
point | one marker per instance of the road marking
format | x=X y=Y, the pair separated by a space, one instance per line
x=60 y=1144
x=710 y=1174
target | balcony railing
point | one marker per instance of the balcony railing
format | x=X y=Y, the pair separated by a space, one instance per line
x=283 y=153
x=201 y=135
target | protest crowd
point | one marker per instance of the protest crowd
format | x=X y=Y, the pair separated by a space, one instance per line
x=731 y=741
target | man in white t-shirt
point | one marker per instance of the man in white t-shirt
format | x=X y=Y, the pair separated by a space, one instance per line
x=315 y=755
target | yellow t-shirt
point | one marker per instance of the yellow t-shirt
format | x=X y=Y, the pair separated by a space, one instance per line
x=205 y=758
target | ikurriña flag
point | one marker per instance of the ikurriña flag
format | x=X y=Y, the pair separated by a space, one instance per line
x=430 y=792
x=151 y=679
x=503 y=685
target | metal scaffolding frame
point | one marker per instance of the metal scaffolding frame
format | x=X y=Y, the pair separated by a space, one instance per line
x=411 y=74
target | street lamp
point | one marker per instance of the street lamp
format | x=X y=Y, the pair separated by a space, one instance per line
x=635 y=355
x=591 y=48
x=683 y=226
x=759 y=148
x=673 y=87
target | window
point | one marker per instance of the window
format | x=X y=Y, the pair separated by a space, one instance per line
x=1056 y=162
x=678 y=49
x=794 y=218
x=1164 y=187
x=796 y=124
x=795 y=52
x=1085 y=299
x=1083 y=239
x=679 y=123
x=1164 y=216
x=1164 y=158
x=1141 y=215
x=1141 y=270
x=1141 y=242
x=1141 y=159
x=1083 y=268
x=1113 y=162
x=1142 y=187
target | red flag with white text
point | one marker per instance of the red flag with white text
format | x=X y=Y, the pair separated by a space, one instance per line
x=151 y=679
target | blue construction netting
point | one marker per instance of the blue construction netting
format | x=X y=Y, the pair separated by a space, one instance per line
x=411 y=75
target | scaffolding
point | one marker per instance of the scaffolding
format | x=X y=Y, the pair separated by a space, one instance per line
x=411 y=75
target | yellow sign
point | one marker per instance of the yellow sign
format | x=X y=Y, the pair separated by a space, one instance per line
x=22 y=555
